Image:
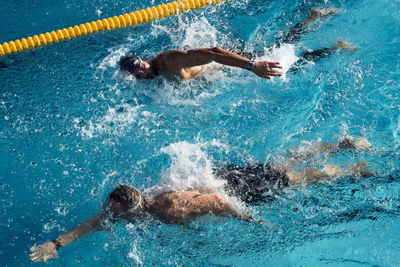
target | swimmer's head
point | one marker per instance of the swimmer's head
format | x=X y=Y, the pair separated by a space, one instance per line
x=140 y=68
x=125 y=201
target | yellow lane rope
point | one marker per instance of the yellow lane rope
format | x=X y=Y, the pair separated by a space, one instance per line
x=108 y=24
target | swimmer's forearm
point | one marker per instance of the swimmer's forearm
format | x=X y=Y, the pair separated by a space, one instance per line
x=91 y=225
x=263 y=69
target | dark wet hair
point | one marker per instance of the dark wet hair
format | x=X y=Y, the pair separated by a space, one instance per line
x=127 y=197
x=129 y=62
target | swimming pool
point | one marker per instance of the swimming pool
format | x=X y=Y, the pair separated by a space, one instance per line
x=73 y=127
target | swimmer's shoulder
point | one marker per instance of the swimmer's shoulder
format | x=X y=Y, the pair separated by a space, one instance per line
x=166 y=60
x=164 y=57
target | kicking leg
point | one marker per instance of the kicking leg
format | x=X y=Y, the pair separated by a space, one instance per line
x=361 y=170
x=329 y=171
x=330 y=149
x=316 y=55
x=308 y=174
x=349 y=142
x=292 y=35
x=299 y=30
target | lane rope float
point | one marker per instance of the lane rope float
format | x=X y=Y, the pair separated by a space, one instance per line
x=107 y=24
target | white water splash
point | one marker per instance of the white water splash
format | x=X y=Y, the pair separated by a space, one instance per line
x=285 y=55
x=190 y=168
x=115 y=121
x=113 y=58
x=134 y=255
x=190 y=34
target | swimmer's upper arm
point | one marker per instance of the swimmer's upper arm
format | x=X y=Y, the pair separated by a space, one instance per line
x=178 y=59
x=227 y=208
x=223 y=207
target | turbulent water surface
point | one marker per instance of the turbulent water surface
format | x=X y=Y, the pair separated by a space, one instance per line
x=73 y=127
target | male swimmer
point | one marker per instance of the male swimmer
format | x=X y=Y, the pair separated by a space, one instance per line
x=249 y=183
x=187 y=64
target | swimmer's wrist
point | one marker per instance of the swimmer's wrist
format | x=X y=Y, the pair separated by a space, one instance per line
x=57 y=244
x=250 y=65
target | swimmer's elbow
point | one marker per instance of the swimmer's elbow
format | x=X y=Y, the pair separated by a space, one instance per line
x=217 y=49
x=217 y=54
x=186 y=76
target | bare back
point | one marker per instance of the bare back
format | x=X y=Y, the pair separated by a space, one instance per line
x=182 y=206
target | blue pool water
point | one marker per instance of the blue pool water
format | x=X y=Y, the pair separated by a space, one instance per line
x=73 y=127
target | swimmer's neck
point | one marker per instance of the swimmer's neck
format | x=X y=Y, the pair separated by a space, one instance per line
x=156 y=67
x=149 y=205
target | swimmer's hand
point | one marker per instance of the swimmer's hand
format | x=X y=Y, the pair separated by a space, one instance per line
x=265 y=69
x=44 y=252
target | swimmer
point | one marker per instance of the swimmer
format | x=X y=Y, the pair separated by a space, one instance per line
x=182 y=206
x=188 y=64
x=126 y=203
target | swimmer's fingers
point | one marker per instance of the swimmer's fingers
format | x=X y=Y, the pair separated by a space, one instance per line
x=43 y=252
x=37 y=256
x=275 y=65
x=37 y=253
x=265 y=69
x=42 y=256
x=270 y=74
x=274 y=73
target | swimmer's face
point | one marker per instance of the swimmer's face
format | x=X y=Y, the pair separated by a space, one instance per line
x=144 y=70
x=116 y=210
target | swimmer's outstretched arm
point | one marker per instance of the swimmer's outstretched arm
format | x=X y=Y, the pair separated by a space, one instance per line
x=176 y=60
x=48 y=250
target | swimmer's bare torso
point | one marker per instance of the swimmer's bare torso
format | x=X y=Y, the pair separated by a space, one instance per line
x=183 y=206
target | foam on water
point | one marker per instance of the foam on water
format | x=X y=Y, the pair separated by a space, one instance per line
x=134 y=254
x=115 y=53
x=284 y=54
x=195 y=33
x=128 y=131
x=190 y=168
x=115 y=121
